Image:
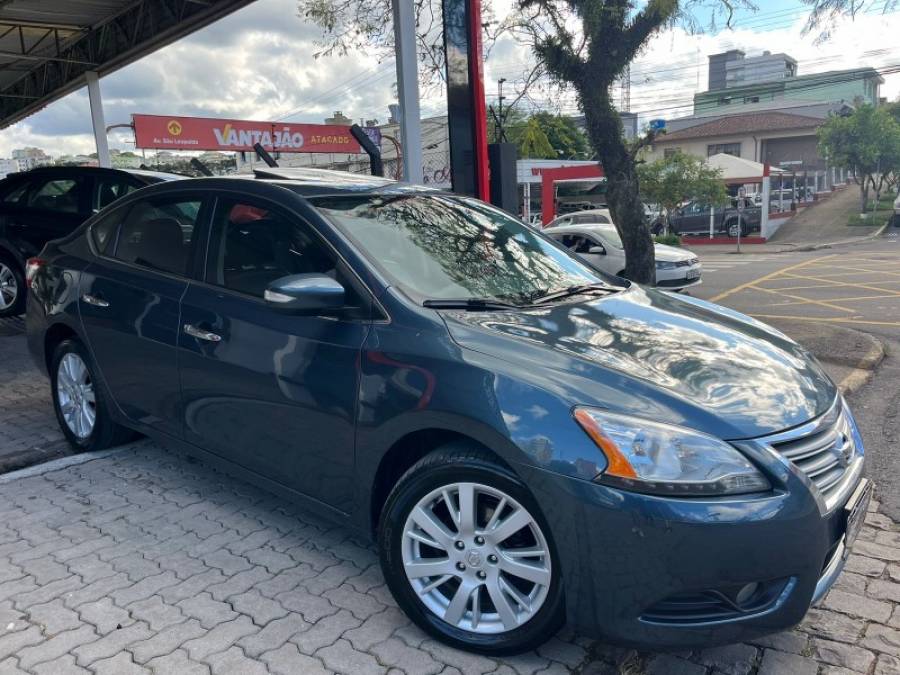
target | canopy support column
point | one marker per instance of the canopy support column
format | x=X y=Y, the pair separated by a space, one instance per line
x=97 y=120
x=408 y=90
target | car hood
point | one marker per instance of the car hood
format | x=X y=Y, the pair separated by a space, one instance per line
x=672 y=253
x=657 y=355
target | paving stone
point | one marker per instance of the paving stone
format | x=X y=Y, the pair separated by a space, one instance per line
x=166 y=641
x=466 y=662
x=156 y=613
x=730 y=659
x=793 y=642
x=311 y=607
x=857 y=605
x=361 y=605
x=226 y=561
x=884 y=590
x=178 y=663
x=56 y=646
x=844 y=655
x=341 y=657
x=110 y=644
x=894 y=572
x=104 y=615
x=11 y=643
x=96 y=590
x=876 y=550
x=207 y=611
x=273 y=635
x=53 y=617
x=120 y=664
x=64 y=665
x=782 y=663
x=882 y=639
x=325 y=631
x=219 y=638
x=287 y=660
x=667 y=664
x=191 y=586
x=259 y=608
x=860 y=564
x=568 y=653
x=274 y=561
x=852 y=583
x=144 y=588
x=396 y=653
x=233 y=661
x=376 y=628
x=833 y=626
x=887 y=665
x=239 y=583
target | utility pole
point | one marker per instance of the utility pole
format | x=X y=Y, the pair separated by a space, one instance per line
x=625 y=103
x=501 y=132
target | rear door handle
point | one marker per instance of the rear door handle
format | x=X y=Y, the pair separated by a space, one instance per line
x=201 y=334
x=94 y=300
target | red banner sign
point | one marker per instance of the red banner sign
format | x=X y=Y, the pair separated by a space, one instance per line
x=207 y=133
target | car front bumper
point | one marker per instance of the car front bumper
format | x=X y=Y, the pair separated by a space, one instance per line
x=635 y=565
x=678 y=278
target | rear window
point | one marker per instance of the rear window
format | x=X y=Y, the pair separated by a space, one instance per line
x=62 y=195
x=15 y=193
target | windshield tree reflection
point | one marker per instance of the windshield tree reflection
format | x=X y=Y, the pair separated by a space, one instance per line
x=447 y=248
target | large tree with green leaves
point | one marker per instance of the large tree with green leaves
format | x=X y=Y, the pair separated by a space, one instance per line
x=673 y=179
x=866 y=142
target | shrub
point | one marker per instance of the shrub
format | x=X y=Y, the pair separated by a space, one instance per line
x=668 y=239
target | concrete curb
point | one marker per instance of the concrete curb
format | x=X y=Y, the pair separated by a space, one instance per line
x=55 y=465
x=864 y=370
x=788 y=248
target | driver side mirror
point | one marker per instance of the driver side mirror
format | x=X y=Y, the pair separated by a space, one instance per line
x=305 y=293
x=597 y=250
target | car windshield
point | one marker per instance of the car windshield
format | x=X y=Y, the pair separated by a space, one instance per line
x=449 y=247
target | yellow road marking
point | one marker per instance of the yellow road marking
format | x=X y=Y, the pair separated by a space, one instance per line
x=834 y=285
x=836 y=319
x=772 y=275
x=859 y=297
x=804 y=301
x=845 y=284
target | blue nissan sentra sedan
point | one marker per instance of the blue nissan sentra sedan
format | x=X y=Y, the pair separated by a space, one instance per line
x=529 y=441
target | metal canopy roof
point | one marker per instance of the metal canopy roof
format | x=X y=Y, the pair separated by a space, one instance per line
x=46 y=46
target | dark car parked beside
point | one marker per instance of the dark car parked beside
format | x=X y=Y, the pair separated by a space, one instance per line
x=692 y=218
x=47 y=203
x=528 y=440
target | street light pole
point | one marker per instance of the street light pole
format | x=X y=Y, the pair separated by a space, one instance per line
x=501 y=132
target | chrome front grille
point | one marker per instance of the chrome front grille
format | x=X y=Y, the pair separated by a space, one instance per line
x=823 y=450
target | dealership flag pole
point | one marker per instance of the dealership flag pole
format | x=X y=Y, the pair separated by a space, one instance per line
x=408 y=90
x=99 y=124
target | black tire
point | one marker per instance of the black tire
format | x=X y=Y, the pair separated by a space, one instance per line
x=18 y=276
x=460 y=462
x=731 y=229
x=105 y=433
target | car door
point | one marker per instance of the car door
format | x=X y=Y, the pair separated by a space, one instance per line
x=273 y=392
x=130 y=298
x=594 y=251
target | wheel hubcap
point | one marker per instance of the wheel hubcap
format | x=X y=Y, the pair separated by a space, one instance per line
x=75 y=395
x=9 y=289
x=476 y=558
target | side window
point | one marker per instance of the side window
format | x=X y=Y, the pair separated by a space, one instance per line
x=254 y=245
x=60 y=194
x=16 y=194
x=109 y=190
x=157 y=233
x=104 y=231
x=583 y=245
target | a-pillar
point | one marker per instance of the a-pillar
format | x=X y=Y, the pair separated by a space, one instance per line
x=97 y=119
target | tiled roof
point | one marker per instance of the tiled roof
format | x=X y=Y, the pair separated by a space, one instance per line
x=735 y=125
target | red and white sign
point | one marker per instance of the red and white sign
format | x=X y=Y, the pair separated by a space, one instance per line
x=207 y=133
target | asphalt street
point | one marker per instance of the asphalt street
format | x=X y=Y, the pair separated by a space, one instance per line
x=853 y=286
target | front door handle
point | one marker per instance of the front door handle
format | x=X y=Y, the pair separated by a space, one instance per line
x=201 y=334
x=94 y=300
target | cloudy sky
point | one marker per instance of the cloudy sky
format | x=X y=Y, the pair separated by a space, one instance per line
x=258 y=64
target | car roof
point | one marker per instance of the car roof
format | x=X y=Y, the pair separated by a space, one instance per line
x=313 y=182
x=581 y=227
x=50 y=170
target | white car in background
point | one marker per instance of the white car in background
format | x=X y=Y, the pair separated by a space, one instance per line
x=588 y=217
x=599 y=245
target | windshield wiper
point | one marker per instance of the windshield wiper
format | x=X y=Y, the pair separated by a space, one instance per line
x=549 y=296
x=476 y=304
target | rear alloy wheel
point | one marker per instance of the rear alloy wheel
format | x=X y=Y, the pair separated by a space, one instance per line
x=81 y=409
x=733 y=230
x=468 y=558
x=12 y=289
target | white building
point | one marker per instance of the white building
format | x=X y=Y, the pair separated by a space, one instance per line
x=8 y=166
x=29 y=158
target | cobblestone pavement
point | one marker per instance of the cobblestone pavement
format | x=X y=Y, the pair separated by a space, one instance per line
x=140 y=560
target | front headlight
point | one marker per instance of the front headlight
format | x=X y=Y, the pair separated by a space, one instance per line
x=665 y=265
x=663 y=459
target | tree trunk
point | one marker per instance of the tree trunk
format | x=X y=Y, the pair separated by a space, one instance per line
x=864 y=195
x=622 y=187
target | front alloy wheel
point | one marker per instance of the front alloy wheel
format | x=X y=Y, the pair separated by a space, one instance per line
x=476 y=558
x=468 y=555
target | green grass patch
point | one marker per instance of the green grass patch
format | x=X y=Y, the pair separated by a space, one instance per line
x=870 y=219
x=668 y=239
